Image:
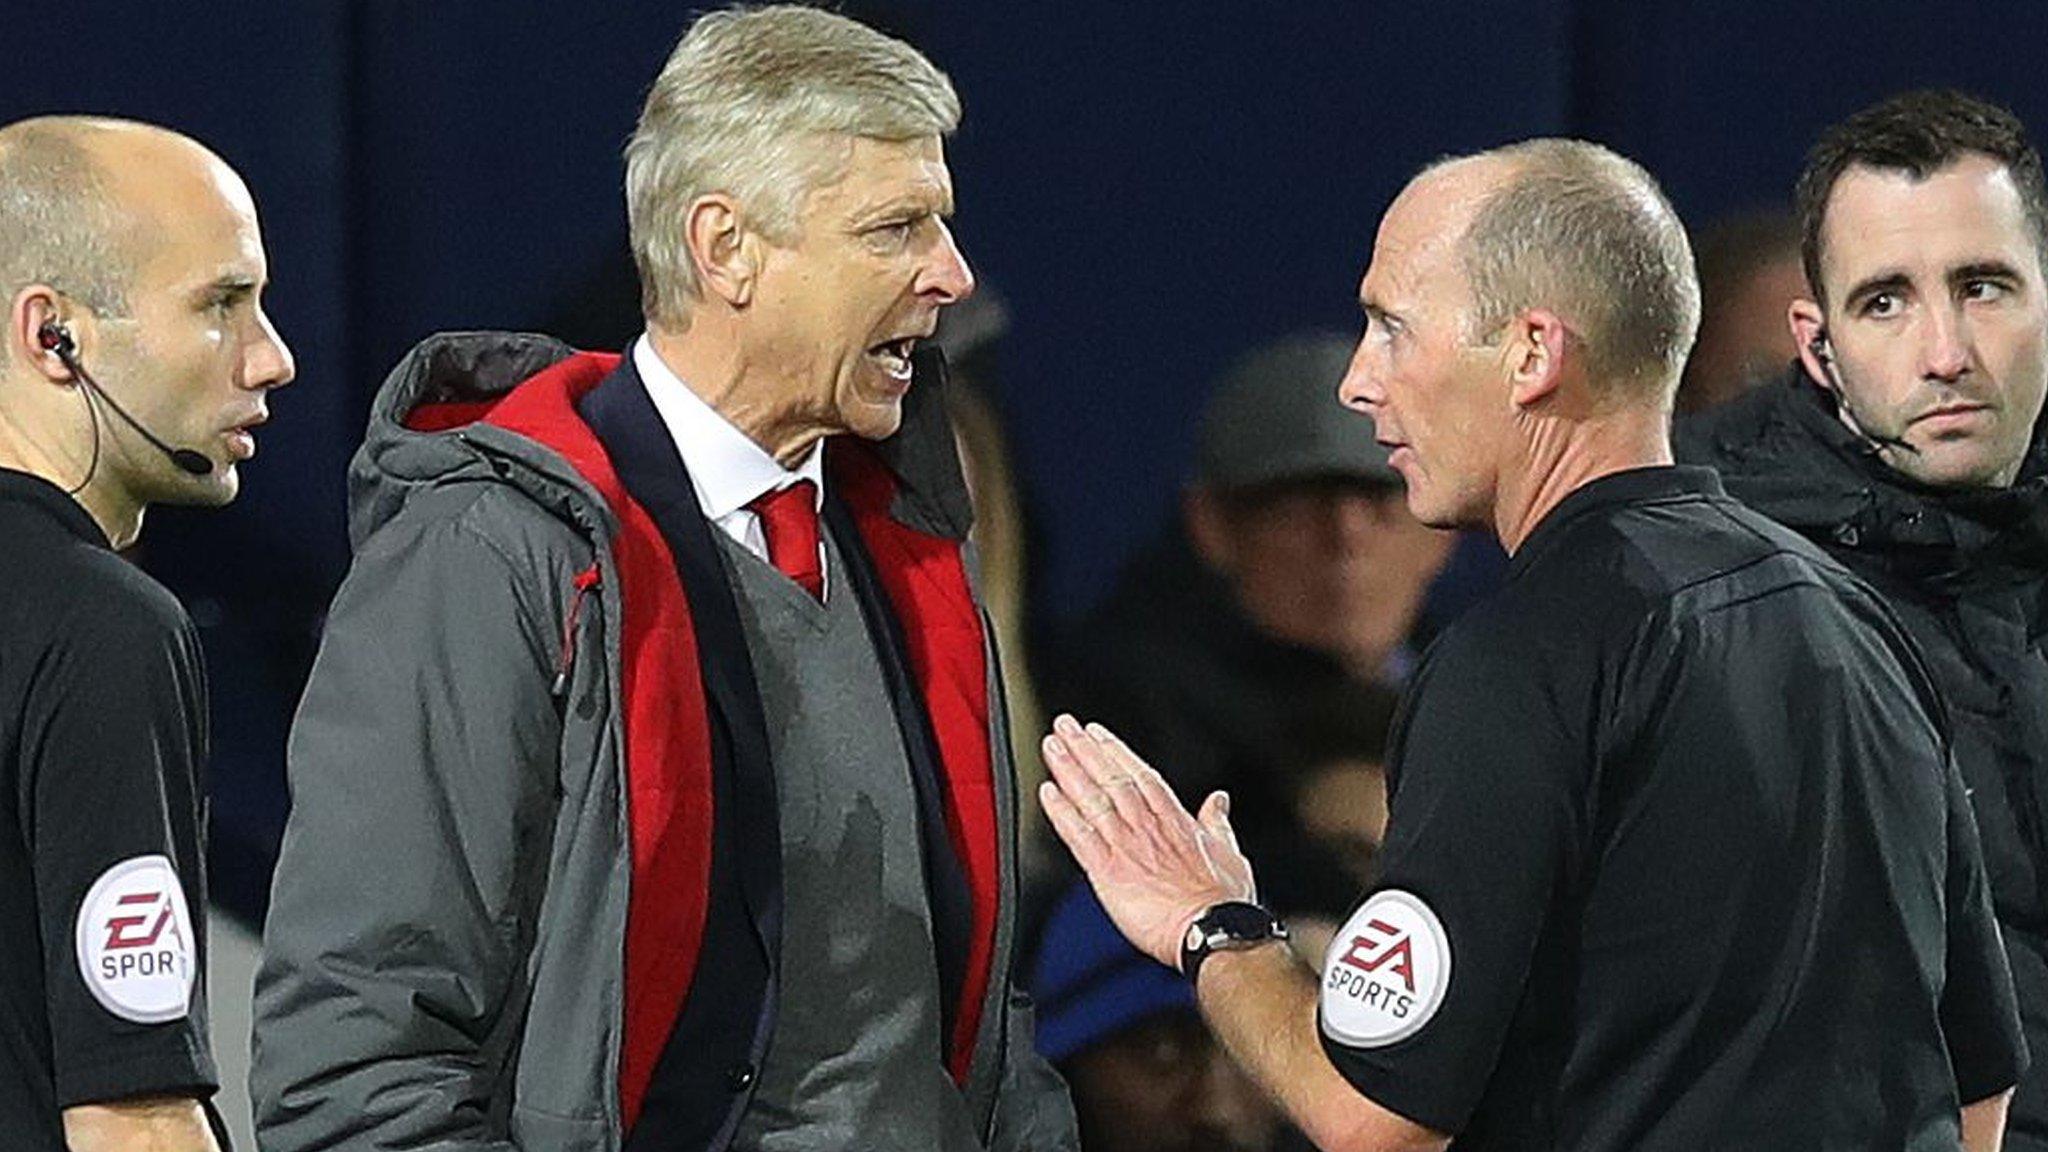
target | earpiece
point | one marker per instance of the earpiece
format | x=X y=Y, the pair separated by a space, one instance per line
x=1833 y=385
x=55 y=337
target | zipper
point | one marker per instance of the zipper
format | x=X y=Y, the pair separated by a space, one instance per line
x=584 y=582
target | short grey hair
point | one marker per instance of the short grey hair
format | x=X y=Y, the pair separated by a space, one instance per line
x=60 y=223
x=1579 y=228
x=740 y=108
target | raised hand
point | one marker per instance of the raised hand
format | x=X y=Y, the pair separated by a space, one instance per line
x=1154 y=867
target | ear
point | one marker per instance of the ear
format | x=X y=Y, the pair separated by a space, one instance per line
x=31 y=308
x=1809 y=332
x=1208 y=524
x=1535 y=355
x=722 y=249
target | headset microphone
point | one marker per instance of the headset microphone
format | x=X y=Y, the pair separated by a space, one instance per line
x=1819 y=347
x=56 y=338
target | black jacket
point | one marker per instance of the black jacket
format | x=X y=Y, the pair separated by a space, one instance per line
x=1967 y=572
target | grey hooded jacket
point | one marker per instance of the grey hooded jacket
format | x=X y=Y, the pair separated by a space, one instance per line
x=443 y=962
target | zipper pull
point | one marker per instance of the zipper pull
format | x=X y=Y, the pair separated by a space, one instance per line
x=584 y=582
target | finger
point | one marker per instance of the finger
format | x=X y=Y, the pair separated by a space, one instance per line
x=1157 y=793
x=1107 y=773
x=1077 y=786
x=1073 y=829
x=1215 y=817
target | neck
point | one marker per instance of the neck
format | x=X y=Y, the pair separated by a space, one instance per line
x=713 y=365
x=1562 y=457
x=62 y=463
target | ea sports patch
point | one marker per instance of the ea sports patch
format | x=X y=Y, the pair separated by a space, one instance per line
x=1386 y=973
x=135 y=943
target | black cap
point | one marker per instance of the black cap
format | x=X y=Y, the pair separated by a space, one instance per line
x=1275 y=416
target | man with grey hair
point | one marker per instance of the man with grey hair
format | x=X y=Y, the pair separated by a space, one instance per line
x=1677 y=857
x=134 y=250
x=660 y=691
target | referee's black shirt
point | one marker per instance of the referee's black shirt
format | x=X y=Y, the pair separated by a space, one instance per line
x=1677 y=859
x=102 y=896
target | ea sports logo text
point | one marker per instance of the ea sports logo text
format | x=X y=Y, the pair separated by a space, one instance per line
x=1391 y=950
x=1386 y=972
x=136 y=950
x=123 y=931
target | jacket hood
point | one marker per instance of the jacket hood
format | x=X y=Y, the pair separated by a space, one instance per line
x=424 y=430
x=457 y=376
x=1783 y=450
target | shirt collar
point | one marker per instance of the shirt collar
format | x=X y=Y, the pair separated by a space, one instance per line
x=1629 y=486
x=728 y=470
x=37 y=492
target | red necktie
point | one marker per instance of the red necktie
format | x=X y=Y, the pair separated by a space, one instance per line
x=789 y=519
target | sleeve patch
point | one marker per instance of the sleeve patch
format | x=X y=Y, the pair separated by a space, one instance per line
x=135 y=945
x=1386 y=973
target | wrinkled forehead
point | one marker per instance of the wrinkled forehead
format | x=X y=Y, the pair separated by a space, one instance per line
x=878 y=171
x=1969 y=212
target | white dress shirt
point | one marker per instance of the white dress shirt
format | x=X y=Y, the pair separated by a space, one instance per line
x=728 y=470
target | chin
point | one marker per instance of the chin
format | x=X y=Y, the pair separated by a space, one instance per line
x=212 y=491
x=1427 y=511
x=1969 y=468
x=875 y=422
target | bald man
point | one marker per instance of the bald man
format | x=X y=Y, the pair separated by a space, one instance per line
x=134 y=368
x=1677 y=857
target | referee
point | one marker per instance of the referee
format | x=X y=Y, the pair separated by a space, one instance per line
x=1677 y=858
x=134 y=366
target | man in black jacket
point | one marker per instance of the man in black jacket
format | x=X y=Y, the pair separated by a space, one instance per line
x=1906 y=441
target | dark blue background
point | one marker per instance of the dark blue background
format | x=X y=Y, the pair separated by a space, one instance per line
x=1154 y=187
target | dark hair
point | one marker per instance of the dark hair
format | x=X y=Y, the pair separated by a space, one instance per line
x=1918 y=133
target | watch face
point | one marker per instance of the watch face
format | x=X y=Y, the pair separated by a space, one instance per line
x=1241 y=921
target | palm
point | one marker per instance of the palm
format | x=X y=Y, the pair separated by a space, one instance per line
x=1154 y=866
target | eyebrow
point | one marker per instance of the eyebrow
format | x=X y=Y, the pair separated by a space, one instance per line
x=233 y=285
x=1891 y=280
x=908 y=205
x=1985 y=270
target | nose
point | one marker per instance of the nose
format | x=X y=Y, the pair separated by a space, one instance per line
x=1947 y=344
x=1359 y=390
x=267 y=361
x=946 y=275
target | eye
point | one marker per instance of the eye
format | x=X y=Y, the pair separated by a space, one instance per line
x=1983 y=290
x=1882 y=304
x=892 y=234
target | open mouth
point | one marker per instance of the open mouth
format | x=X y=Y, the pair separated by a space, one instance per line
x=894 y=357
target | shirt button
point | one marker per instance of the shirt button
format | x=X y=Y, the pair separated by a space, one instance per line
x=740 y=1077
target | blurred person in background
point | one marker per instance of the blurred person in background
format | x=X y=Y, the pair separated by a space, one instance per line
x=1334 y=769
x=1907 y=442
x=1286 y=590
x=133 y=267
x=970 y=335
x=660 y=688
x=1749 y=274
x=1145 y=1073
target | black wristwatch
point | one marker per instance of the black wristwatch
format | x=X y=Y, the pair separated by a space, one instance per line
x=1229 y=927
